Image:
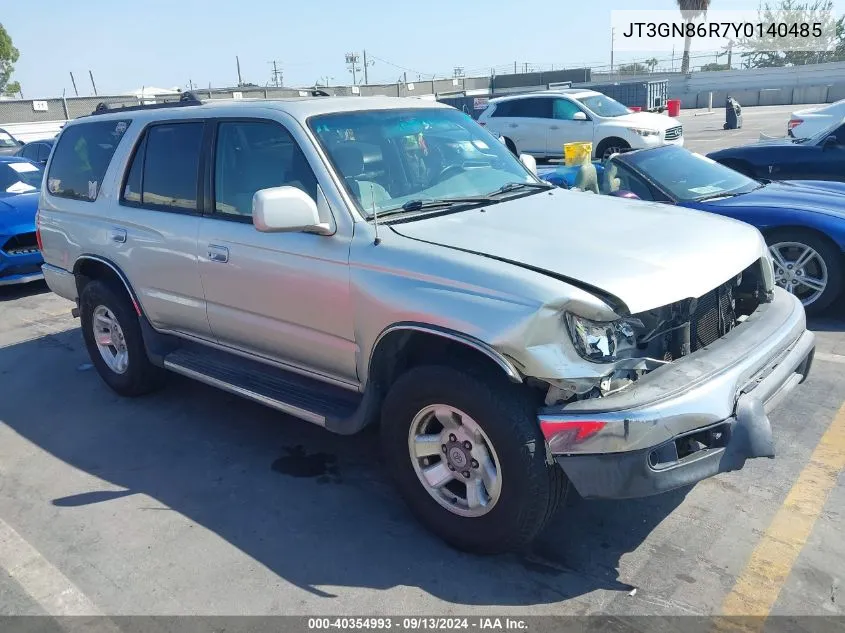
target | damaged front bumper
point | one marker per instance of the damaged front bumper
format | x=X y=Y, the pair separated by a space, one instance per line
x=701 y=415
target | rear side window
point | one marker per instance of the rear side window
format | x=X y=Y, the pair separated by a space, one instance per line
x=534 y=108
x=82 y=157
x=164 y=173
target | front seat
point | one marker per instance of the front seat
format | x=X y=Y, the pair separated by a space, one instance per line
x=350 y=162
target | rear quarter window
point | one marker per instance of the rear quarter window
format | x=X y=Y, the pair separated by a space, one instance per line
x=81 y=158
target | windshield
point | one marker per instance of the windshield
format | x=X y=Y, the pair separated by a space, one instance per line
x=20 y=177
x=604 y=106
x=387 y=158
x=687 y=176
x=6 y=139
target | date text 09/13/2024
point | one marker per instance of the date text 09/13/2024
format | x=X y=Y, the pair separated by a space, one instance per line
x=417 y=623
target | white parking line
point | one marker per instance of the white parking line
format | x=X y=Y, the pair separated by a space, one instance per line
x=50 y=588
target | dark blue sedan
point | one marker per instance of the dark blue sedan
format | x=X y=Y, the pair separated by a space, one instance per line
x=20 y=182
x=803 y=221
x=820 y=157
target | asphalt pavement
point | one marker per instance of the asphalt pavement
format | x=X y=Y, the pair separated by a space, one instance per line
x=192 y=501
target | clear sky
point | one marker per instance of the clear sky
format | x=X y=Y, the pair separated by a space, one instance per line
x=133 y=43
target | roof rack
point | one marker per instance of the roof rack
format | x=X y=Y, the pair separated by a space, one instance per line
x=185 y=99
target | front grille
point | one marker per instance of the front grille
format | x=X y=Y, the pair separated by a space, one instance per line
x=712 y=317
x=21 y=244
x=674 y=133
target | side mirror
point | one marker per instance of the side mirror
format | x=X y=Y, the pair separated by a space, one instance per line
x=830 y=141
x=579 y=116
x=285 y=210
x=21 y=142
x=530 y=162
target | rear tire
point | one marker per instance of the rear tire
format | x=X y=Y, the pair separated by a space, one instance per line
x=107 y=316
x=610 y=146
x=526 y=489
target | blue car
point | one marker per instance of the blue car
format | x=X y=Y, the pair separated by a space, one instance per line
x=20 y=182
x=803 y=221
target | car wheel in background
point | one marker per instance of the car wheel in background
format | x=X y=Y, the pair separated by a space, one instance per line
x=112 y=335
x=610 y=146
x=469 y=459
x=808 y=266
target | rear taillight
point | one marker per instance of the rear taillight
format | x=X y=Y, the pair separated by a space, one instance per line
x=38 y=230
x=794 y=123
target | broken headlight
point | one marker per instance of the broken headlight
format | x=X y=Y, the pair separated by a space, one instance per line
x=604 y=342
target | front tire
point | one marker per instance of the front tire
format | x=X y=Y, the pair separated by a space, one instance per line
x=808 y=266
x=112 y=335
x=469 y=459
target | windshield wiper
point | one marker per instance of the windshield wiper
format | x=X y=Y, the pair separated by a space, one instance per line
x=515 y=186
x=436 y=203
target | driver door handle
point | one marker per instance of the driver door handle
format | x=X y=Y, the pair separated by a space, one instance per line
x=512 y=125
x=218 y=253
x=554 y=127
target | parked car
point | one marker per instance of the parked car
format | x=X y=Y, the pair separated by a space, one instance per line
x=20 y=183
x=812 y=121
x=348 y=261
x=8 y=143
x=820 y=157
x=803 y=221
x=37 y=151
x=541 y=123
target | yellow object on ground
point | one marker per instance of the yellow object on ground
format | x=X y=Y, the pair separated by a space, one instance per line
x=577 y=153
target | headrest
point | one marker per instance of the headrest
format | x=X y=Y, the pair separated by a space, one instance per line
x=349 y=160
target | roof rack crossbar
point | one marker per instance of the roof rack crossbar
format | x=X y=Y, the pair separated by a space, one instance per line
x=185 y=99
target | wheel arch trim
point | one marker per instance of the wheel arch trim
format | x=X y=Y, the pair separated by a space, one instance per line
x=478 y=345
x=117 y=271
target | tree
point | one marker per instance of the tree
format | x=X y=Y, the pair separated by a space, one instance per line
x=632 y=69
x=652 y=64
x=715 y=66
x=756 y=54
x=12 y=88
x=8 y=56
x=690 y=10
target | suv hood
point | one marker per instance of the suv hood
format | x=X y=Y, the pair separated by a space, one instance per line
x=645 y=119
x=645 y=254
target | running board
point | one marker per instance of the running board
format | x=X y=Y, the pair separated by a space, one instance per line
x=305 y=398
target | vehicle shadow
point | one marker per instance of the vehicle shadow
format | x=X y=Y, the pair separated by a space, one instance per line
x=831 y=320
x=311 y=506
x=19 y=291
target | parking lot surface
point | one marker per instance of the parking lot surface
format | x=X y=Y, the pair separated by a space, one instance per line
x=193 y=501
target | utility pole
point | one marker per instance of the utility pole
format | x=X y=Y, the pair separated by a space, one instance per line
x=612 y=47
x=73 y=81
x=458 y=72
x=277 y=79
x=238 y=62
x=514 y=68
x=352 y=60
x=90 y=74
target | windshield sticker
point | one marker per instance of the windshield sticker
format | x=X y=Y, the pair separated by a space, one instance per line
x=92 y=189
x=120 y=128
x=22 y=168
x=706 y=190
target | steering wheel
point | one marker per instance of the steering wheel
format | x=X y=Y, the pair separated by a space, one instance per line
x=448 y=172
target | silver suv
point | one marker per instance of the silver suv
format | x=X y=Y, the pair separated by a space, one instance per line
x=355 y=261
